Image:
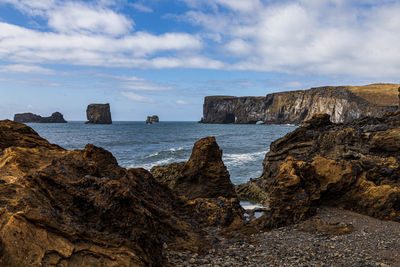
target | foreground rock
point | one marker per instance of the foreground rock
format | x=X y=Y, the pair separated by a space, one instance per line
x=342 y=103
x=98 y=114
x=204 y=176
x=354 y=166
x=79 y=208
x=56 y=117
x=151 y=119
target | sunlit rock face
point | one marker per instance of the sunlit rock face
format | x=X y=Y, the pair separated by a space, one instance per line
x=80 y=208
x=354 y=166
x=294 y=107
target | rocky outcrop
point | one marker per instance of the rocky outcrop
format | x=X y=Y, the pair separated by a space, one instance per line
x=204 y=175
x=79 y=208
x=204 y=181
x=151 y=119
x=56 y=117
x=98 y=114
x=292 y=107
x=354 y=166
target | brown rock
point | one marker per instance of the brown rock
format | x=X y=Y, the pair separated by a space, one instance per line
x=203 y=176
x=353 y=166
x=79 y=208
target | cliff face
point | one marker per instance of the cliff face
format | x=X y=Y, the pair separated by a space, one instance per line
x=291 y=107
x=98 y=114
x=56 y=117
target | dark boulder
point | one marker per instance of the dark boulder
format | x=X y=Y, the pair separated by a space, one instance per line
x=98 y=114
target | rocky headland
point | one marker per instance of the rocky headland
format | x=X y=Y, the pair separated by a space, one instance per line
x=151 y=119
x=342 y=103
x=56 y=117
x=98 y=114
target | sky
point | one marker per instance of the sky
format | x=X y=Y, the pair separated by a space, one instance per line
x=163 y=57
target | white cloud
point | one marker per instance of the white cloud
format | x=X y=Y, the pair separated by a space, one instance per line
x=137 y=98
x=181 y=102
x=25 y=45
x=239 y=47
x=142 y=7
x=21 y=68
x=330 y=37
x=77 y=17
x=141 y=84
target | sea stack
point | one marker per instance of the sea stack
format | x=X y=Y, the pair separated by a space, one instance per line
x=151 y=119
x=98 y=114
x=56 y=117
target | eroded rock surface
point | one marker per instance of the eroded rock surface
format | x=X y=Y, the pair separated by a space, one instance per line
x=56 y=117
x=353 y=166
x=203 y=175
x=79 y=208
x=294 y=107
x=98 y=114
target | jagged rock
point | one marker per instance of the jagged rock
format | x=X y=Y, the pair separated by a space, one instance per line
x=203 y=176
x=151 y=119
x=79 y=208
x=98 y=114
x=343 y=104
x=204 y=180
x=353 y=166
x=56 y=117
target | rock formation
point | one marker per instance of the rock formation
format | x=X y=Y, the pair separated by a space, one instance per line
x=79 y=208
x=205 y=181
x=98 y=114
x=354 y=166
x=204 y=175
x=56 y=117
x=151 y=119
x=343 y=104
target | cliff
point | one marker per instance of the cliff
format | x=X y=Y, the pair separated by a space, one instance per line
x=98 y=114
x=56 y=117
x=343 y=104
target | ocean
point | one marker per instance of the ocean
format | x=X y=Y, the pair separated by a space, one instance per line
x=135 y=144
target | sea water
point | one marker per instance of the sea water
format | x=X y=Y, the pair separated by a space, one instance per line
x=135 y=144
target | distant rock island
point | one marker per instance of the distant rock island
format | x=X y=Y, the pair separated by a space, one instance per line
x=342 y=103
x=98 y=114
x=56 y=117
x=151 y=119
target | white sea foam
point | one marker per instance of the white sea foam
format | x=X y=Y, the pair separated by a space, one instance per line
x=148 y=166
x=240 y=159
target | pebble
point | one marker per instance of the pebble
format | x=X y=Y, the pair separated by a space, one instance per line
x=372 y=243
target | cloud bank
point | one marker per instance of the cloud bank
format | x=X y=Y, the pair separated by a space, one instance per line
x=326 y=37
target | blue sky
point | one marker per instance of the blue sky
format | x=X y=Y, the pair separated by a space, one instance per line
x=162 y=56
